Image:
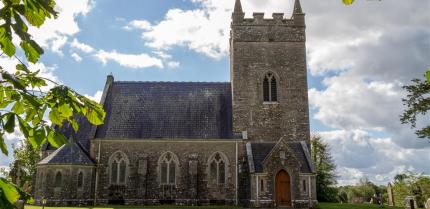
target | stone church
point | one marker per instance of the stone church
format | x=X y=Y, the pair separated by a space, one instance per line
x=242 y=142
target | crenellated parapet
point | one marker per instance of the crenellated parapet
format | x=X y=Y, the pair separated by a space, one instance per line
x=276 y=29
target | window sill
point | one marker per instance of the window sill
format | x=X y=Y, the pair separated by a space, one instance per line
x=270 y=103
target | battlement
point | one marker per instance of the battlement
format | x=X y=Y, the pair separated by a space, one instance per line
x=258 y=19
x=278 y=19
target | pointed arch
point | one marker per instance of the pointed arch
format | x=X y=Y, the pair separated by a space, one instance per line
x=168 y=168
x=80 y=183
x=118 y=168
x=58 y=179
x=283 y=188
x=218 y=168
x=270 y=87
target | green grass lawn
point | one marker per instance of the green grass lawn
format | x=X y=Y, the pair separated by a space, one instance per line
x=322 y=206
x=352 y=206
x=137 y=207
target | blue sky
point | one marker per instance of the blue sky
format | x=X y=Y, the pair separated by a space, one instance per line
x=358 y=59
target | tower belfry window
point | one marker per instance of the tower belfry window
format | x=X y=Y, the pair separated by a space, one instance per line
x=270 y=91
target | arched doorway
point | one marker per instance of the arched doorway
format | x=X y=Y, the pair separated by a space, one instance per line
x=283 y=188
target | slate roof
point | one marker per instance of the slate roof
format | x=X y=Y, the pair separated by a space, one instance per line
x=83 y=136
x=187 y=110
x=260 y=150
x=68 y=154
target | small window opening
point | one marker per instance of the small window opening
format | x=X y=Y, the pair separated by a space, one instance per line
x=270 y=92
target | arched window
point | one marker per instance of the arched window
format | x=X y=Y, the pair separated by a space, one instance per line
x=118 y=168
x=58 y=179
x=270 y=92
x=168 y=168
x=217 y=168
x=80 y=180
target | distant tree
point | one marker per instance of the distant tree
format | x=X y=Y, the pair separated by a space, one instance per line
x=325 y=168
x=417 y=104
x=23 y=167
x=414 y=184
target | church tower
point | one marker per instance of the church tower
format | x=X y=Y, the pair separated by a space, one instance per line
x=268 y=75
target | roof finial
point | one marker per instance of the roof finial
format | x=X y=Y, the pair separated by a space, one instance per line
x=297 y=7
x=238 y=7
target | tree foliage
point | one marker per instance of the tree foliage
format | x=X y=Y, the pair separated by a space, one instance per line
x=417 y=104
x=348 y=2
x=23 y=168
x=23 y=103
x=411 y=184
x=325 y=169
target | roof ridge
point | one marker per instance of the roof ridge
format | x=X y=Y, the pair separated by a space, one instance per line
x=196 y=82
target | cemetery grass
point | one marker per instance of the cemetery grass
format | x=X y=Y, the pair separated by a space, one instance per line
x=137 y=207
x=353 y=206
x=321 y=206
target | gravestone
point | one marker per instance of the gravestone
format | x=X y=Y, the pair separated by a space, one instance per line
x=19 y=204
x=390 y=195
x=428 y=204
x=410 y=203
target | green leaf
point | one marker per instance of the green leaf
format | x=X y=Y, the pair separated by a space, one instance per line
x=10 y=123
x=32 y=50
x=348 y=2
x=9 y=190
x=12 y=79
x=33 y=13
x=7 y=46
x=22 y=67
x=55 y=117
x=24 y=127
x=56 y=139
x=65 y=110
x=428 y=75
x=18 y=108
x=3 y=146
x=95 y=117
x=37 y=137
x=75 y=125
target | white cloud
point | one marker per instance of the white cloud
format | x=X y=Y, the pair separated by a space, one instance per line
x=358 y=155
x=129 y=60
x=57 y=44
x=173 y=64
x=76 y=57
x=138 y=24
x=53 y=33
x=96 y=97
x=81 y=46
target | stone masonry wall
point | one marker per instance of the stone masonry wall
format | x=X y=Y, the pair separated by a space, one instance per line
x=191 y=187
x=259 y=46
x=68 y=193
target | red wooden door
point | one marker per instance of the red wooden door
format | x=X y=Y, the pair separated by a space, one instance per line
x=283 y=188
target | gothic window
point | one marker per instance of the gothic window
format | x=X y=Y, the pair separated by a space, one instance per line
x=168 y=166
x=217 y=169
x=304 y=185
x=80 y=180
x=262 y=185
x=58 y=179
x=118 y=168
x=270 y=92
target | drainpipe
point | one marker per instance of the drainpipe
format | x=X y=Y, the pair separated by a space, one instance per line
x=257 y=190
x=97 y=175
x=309 y=190
x=236 y=197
